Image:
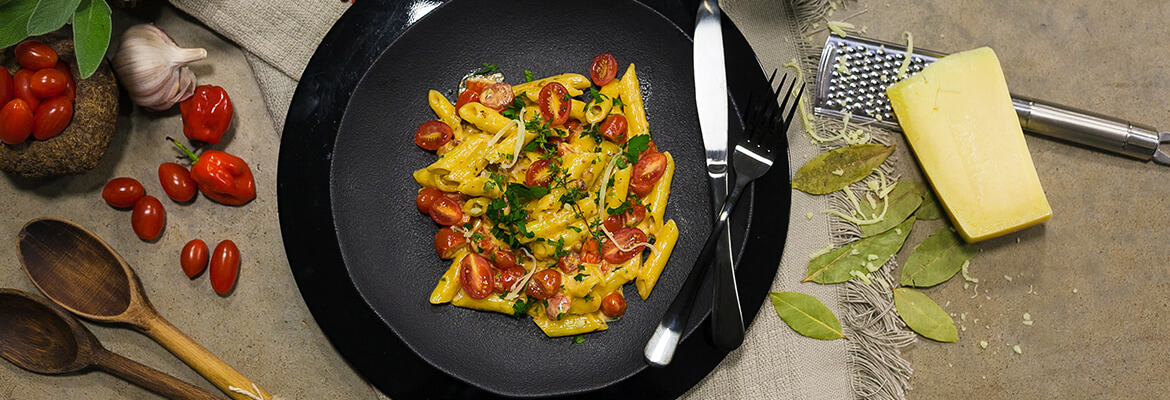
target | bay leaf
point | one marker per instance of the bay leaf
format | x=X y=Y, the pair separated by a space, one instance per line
x=91 y=35
x=15 y=15
x=924 y=316
x=50 y=15
x=939 y=257
x=806 y=315
x=831 y=171
x=904 y=199
x=834 y=266
x=930 y=208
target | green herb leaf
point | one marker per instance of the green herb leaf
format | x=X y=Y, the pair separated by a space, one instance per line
x=580 y=277
x=834 y=170
x=91 y=35
x=924 y=316
x=939 y=257
x=487 y=69
x=527 y=76
x=15 y=15
x=51 y=15
x=519 y=308
x=903 y=201
x=527 y=192
x=578 y=339
x=635 y=146
x=834 y=266
x=807 y=315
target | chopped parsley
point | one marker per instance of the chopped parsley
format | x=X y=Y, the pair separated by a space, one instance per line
x=621 y=208
x=519 y=308
x=527 y=76
x=575 y=229
x=580 y=277
x=513 y=111
x=487 y=69
x=559 y=247
x=635 y=146
x=588 y=297
x=578 y=339
x=477 y=237
x=618 y=102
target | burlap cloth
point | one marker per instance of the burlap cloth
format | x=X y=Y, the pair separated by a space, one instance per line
x=280 y=36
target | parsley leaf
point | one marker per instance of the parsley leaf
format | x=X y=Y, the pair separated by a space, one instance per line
x=635 y=146
x=575 y=229
x=513 y=111
x=524 y=192
x=617 y=102
x=578 y=339
x=579 y=277
x=621 y=208
x=487 y=69
x=477 y=237
x=527 y=76
x=519 y=308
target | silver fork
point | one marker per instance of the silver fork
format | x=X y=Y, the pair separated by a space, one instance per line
x=765 y=125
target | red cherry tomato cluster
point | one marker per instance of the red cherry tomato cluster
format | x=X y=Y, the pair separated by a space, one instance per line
x=38 y=99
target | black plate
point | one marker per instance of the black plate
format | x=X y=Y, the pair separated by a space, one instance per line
x=361 y=253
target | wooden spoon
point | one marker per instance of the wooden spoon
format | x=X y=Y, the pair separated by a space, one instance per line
x=41 y=337
x=78 y=271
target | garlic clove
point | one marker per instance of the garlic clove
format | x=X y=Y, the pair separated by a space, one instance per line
x=154 y=69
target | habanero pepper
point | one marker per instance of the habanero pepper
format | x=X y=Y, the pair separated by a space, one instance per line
x=206 y=115
x=221 y=177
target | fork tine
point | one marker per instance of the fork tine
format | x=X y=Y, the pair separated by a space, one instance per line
x=795 y=105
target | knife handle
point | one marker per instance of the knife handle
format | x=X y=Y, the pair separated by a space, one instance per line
x=1087 y=128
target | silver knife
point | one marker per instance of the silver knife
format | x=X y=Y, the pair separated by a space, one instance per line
x=711 y=98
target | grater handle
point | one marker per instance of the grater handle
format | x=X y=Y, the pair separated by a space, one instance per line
x=1087 y=128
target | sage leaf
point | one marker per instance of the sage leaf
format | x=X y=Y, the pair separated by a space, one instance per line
x=930 y=208
x=91 y=35
x=834 y=266
x=924 y=316
x=939 y=257
x=834 y=170
x=806 y=315
x=14 y=15
x=903 y=201
x=50 y=15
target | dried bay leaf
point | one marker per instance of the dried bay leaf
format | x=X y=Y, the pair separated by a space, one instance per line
x=939 y=257
x=806 y=315
x=904 y=199
x=834 y=170
x=924 y=316
x=834 y=266
x=930 y=208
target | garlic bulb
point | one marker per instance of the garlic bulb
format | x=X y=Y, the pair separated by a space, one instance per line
x=154 y=69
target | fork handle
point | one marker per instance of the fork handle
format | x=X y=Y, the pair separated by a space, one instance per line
x=727 y=329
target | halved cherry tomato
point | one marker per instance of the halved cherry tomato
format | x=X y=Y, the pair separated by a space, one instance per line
x=484 y=244
x=544 y=284
x=446 y=211
x=448 y=242
x=70 y=84
x=603 y=70
x=432 y=135
x=16 y=122
x=653 y=148
x=627 y=238
x=614 y=128
x=35 y=55
x=52 y=117
x=503 y=259
x=48 y=82
x=568 y=263
x=539 y=173
x=508 y=278
x=225 y=267
x=194 y=257
x=497 y=96
x=148 y=218
x=468 y=96
x=557 y=306
x=555 y=104
x=613 y=305
x=123 y=192
x=5 y=86
x=590 y=245
x=634 y=215
x=475 y=274
x=647 y=172
x=176 y=181
x=614 y=222
x=426 y=198
x=476 y=84
x=592 y=257
x=21 y=90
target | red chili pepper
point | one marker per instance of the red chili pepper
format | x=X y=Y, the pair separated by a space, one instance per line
x=221 y=176
x=206 y=115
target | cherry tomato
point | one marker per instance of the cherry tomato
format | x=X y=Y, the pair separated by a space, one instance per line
x=590 y=245
x=225 y=267
x=194 y=258
x=52 y=117
x=70 y=84
x=497 y=96
x=123 y=192
x=35 y=55
x=568 y=263
x=592 y=257
x=539 y=173
x=21 y=90
x=557 y=306
x=16 y=122
x=603 y=70
x=48 y=82
x=614 y=128
x=647 y=172
x=555 y=104
x=614 y=222
x=503 y=259
x=148 y=218
x=484 y=244
x=448 y=242
x=446 y=211
x=475 y=274
x=544 y=284
x=468 y=96
x=508 y=278
x=634 y=215
x=425 y=198
x=476 y=84
x=628 y=238
x=5 y=86
x=176 y=181
x=432 y=135
x=613 y=305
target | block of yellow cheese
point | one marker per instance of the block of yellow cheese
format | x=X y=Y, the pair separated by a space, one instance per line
x=957 y=115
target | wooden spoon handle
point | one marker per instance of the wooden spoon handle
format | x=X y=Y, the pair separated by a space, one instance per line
x=218 y=372
x=150 y=378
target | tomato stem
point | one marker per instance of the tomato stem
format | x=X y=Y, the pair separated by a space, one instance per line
x=194 y=158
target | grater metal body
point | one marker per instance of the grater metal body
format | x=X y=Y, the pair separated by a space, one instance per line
x=854 y=74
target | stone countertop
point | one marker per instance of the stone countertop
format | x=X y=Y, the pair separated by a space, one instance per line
x=1102 y=341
